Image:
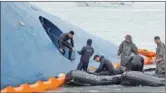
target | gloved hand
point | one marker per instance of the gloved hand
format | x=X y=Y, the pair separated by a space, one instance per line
x=78 y=52
x=62 y=50
x=123 y=68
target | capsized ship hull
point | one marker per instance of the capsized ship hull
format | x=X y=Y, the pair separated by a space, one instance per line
x=27 y=52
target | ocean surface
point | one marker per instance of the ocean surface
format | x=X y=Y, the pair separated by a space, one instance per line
x=143 y=20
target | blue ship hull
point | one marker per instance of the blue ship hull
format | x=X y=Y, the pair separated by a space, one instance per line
x=27 y=52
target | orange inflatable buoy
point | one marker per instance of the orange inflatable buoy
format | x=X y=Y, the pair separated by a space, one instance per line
x=117 y=65
x=147 y=53
x=148 y=61
x=39 y=86
x=53 y=83
x=61 y=80
x=8 y=89
x=92 y=68
x=23 y=88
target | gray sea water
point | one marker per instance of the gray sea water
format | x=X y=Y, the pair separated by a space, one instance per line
x=143 y=20
x=110 y=89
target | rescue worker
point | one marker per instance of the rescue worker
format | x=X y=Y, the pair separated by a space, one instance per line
x=126 y=49
x=63 y=42
x=160 y=56
x=86 y=52
x=106 y=67
x=135 y=63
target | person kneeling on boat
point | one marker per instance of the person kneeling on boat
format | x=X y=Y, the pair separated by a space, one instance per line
x=135 y=63
x=63 y=42
x=106 y=67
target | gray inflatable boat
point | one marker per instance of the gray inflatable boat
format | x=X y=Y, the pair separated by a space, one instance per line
x=130 y=78
x=85 y=78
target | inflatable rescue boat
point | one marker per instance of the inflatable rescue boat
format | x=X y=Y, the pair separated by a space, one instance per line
x=130 y=78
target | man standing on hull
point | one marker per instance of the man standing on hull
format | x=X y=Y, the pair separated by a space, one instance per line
x=86 y=52
x=126 y=49
x=160 y=56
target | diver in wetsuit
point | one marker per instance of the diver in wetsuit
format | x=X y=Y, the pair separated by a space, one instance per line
x=106 y=67
x=135 y=63
x=86 y=52
x=63 y=42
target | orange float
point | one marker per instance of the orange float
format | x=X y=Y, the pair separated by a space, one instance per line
x=148 y=60
x=147 y=53
x=23 y=88
x=39 y=86
x=117 y=65
x=8 y=89
x=150 y=55
x=61 y=80
x=54 y=83
x=92 y=68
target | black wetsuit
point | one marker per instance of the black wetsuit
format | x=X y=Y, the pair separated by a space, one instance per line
x=105 y=68
x=135 y=63
x=63 y=43
x=86 y=52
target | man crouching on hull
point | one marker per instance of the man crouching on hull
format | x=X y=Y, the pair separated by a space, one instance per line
x=86 y=52
x=62 y=41
x=160 y=56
